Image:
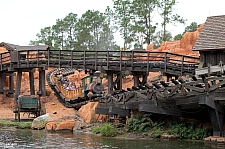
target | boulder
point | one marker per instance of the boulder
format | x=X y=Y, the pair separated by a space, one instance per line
x=65 y=125
x=87 y=112
x=51 y=126
x=40 y=122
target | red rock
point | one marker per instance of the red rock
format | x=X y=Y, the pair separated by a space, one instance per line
x=87 y=112
x=183 y=46
x=65 y=125
x=51 y=126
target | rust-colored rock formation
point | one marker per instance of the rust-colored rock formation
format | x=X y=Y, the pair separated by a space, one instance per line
x=183 y=46
x=87 y=112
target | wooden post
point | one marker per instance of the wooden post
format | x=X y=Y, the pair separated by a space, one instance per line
x=110 y=82
x=43 y=83
x=42 y=88
x=119 y=83
x=1 y=62
x=182 y=66
x=165 y=61
x=31 y=78
x=144 y=79
x=18 y=85
x=1 y=82
x=11 y=82
x=136 y=80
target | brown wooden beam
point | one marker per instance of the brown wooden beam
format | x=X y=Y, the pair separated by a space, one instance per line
x=159 y=110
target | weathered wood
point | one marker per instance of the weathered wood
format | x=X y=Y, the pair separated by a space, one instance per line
x=204 y=100
x=217 y=85
x=18 y=86
x=31 y=78
x=103 y=111
x=119 y=111
x=185 y=100
x=211 y=69
x=159 y=110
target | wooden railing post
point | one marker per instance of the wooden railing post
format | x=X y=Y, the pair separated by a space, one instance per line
x=148 y=62
x=37 y=58
x=107 y=60
x=71 y=59
x=48 y=56
x=120 y=60
x=84 y=59
x=165 y=61
x=96 y=59
x=132 y=60
x=59 y=58
x=1 y=61
x=182 y=66
x=28 y=53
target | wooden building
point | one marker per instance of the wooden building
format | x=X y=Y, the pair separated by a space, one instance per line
x=211 y=41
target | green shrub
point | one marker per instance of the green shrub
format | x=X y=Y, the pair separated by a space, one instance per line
x=156 y=132
x=107 y=130
x=188 y=132
x=140 y=123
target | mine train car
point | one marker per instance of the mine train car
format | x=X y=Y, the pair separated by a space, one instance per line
x=90 y=88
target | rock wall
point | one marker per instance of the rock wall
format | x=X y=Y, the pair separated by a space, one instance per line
x=183 y=46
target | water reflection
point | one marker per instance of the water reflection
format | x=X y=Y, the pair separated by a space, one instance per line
x=13 y=138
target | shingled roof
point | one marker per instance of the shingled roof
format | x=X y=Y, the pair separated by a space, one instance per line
x=10 y=47
x=212 y=36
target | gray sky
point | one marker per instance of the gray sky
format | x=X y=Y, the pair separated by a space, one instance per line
x=21 y=20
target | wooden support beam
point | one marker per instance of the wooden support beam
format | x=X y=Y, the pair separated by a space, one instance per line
x=11 y=83
x=119 y=82
x=43 y=84
x=204 y=100
x=120 y=111
x=42 y=88
x=104 y=111
x=159 y=110
x=18 y=86
x=31 y=78
x=136 y=80
x=1 y=82
x=110 y=82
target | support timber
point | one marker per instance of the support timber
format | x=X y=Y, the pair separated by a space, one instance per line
x=42 y=88
x=114 y=85
x=216 y=113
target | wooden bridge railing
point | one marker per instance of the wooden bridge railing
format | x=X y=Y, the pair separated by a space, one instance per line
x=97 y=58
x=4 y=59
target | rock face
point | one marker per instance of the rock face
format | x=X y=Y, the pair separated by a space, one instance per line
x=64 y=125
x=87 y=112
x=183 y=46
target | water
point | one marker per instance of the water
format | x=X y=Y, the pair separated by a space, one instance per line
x=14 y=138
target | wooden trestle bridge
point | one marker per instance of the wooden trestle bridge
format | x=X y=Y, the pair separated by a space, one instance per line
x=192 y=97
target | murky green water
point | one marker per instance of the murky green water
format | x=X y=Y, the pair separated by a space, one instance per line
x=14 y=138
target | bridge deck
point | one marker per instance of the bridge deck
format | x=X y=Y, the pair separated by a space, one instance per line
x=130 y=61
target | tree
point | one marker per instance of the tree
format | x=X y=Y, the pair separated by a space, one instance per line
x=89 y=29
x=90 y=32
x=142 y=12
x=161 y=37
x=168 y=14
x=191 y=28
x=178 y=37
x=123 y=18
x=44 y=37
x=106 y=41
